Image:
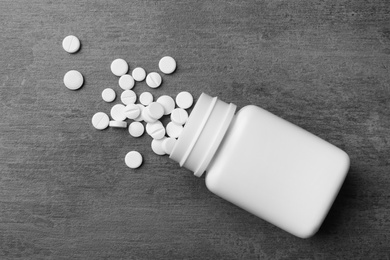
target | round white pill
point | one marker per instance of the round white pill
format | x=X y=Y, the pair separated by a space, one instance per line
x=133 y=159
x=184 y=100
x=132 y=111
x=139 y=118
x=179 y=116
x=71 y=44
x=73 y=80
x=118 y=112
x=128 y=97
x=153 y=80
x=100 y=120
x=118 y=124
x=168 y=144
x=167 y=102
x=167 y=65
x=146 y=98
x=146 y=117
x=126 y=82
x=155 y=110
x=138 y=74
x=156 y=130
x=136 y=129
x=119 y=67
x=157 y=146
x=174 y=130
x=108 y=95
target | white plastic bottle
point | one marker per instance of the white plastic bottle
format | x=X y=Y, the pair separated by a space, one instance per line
x=262 y=163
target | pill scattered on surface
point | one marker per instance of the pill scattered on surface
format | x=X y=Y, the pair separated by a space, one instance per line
x=71 y=44
x=167 y=102
x=126 y=82
x=168 y=144
x=132 y=111
x=155 y=110
x=108 y=95
x=119 y=67
x=184 y=100
x=139 y=118
x=128 y=97
x=146 y=98
x=100 y=120
x=156 y=130
x=146 y=117
x=118 y=112
x=133 y=159
x=73 y=80
x=139 y=74
x=118 y=124
x=174 y=130
x=157 y=146
x=136 y=129
x=153 y=80
x=167 y=65
x=179 y=116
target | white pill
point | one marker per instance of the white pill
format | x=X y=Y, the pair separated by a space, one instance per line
x=139 y=118
x=184 y=100
x=133 y=159
x=167 y=65
x=174 y=130
x=156 y=130
x=71 y=44
x=179 y=116
x=118 y=124
x=153 y=80
x=73 y=80
x=146 y=117
x=119 y=67
x=136 y=129
x=132 y=111
x=108 y=95
x=138 y=74
x=167 y=102
x=155 y=110
x=118 y=112
x=100 y=120
x=157 y=146
x=146 y=98
x=168 y=144
x=128 y=97
x=126 y=82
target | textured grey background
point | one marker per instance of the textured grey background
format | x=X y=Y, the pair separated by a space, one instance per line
x=65 y=191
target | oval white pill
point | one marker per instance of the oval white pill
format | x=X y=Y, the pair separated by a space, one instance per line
x=153 y=80
x=155 y=110
x=167 y=102
x=118 y=112
x=156 y=130
x=100 y=120
x=174 y=130
x=146 y=117
x=149 y=125
x=168 y=144
x=179 y=116
x=184 y=100
x=71 y=44
x=128 y=97
x=108 y=95
x=138 y=74
x=146 y=98
x=139 y=118
x=118 y=124
x=132 y=111
x=73 y=80
x=119 y=67
x=126 y=82
x=133 y=159
x=157 y=146
x=167 y=65
x=136 y=129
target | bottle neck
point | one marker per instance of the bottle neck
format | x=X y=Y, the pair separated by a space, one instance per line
x=203 y=133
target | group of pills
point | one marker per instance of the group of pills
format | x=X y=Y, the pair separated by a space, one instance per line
x=148 y=110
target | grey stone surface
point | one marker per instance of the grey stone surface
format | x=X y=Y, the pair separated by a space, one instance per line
x=65 y=192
